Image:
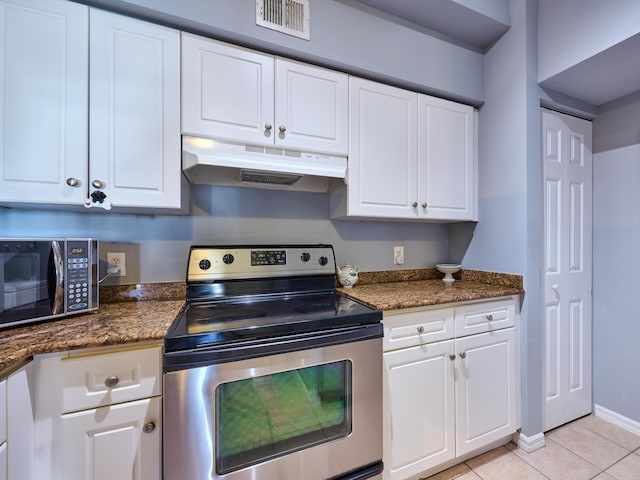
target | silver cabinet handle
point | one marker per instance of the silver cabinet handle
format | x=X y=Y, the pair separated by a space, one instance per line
x=268 y=126
x=97 y=184
x=73 y=182
x=111 y=381
x=555 y=287
x=149 y=427
x=414 y=204
x=463 y=354
x=424 y=205
x=489 y=317
x=452 y=356
x=282 y=128
x=420 y=329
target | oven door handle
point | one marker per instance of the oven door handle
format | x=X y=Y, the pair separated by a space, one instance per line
x=235 y=351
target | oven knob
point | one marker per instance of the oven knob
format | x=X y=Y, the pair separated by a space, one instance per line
x=323 y=261
x=205 y=264
x=228 y=259
x=305 y=257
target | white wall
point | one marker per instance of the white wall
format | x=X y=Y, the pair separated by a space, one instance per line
x=592 y=25
x=616 y=259
x=157 y=246
x=344 y=35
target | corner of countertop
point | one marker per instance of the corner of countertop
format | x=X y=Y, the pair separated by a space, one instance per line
x=509 y=280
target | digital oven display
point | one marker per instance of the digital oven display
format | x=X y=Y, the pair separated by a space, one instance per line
x=77 y=251
x=268 y=257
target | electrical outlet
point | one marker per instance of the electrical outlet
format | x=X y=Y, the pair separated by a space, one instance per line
x=398 y=255
x=116 y=264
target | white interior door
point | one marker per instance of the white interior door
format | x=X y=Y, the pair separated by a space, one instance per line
x=567 y=267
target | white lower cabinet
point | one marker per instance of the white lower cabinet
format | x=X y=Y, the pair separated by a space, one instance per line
x=445 y=399
x=119 y=441
x=98 y=414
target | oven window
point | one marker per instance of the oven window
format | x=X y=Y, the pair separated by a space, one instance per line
x=265 y=417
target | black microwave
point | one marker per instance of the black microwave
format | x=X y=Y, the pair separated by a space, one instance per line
x=42 y=279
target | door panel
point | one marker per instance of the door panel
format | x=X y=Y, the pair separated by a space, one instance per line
x=567 y=261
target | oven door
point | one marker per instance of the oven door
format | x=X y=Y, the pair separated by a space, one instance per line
x=307 y=414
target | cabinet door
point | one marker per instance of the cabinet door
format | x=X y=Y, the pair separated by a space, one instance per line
x=485 y=389
x=382 y=150
x=446 y=159
x=227 y=92
x=135 y=111
x=311 y=108
x=418 y=409
x=111 y=442
x=43 y=101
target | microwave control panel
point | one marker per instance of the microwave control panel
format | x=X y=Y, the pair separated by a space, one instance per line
x=78 y=277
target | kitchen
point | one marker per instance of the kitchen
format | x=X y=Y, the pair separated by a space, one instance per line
x=507 y=237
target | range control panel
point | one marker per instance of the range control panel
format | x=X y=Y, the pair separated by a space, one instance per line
x=214 y=262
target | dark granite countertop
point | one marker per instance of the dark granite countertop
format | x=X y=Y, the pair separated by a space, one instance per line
x=113 y=324
x=139 y=313
x=409 y=289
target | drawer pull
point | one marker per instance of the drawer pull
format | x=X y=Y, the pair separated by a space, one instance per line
x=420 y=329
x=149 y=427
x=489 y=317
x=452 y=356
x=111 y=381
x=463 y=355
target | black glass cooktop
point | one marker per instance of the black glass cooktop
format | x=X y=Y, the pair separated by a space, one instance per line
x=256 y=318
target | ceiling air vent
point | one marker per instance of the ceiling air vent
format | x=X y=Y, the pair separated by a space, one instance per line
x=286 y=16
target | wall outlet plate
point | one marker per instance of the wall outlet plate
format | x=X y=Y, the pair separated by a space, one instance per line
x=398 y=255
x=116 y=264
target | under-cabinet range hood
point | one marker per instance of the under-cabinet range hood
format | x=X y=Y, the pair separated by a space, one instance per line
x=214 y=162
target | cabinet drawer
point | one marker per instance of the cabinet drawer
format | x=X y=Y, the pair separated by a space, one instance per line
x=484 y=317
x=96 y=380
x=3 y=411
x=416 y=328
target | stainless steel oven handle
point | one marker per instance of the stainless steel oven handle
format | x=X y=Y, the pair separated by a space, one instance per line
x=58 y=264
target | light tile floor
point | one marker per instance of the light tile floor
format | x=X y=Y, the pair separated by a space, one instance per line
x=588 y=448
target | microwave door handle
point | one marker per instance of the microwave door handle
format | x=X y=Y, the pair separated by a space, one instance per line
x=58 y=265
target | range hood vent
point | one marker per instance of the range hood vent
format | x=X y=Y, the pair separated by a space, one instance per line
x=214 y=162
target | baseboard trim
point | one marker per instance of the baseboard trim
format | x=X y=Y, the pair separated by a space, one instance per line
x=617 y=419
x=529 y=444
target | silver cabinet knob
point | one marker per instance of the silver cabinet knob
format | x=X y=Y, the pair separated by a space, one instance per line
x=489 y=317
x=452 y=356
x=282 y=128
x=73 y=182
x=555 y=287
x=97 y=184
x=149 y=427
x=424 y=205
x=268 y=126
x=420 y=329
x=111 y=381
x=414 y=204
x=463 y=354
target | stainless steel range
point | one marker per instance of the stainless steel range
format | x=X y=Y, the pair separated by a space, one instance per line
x=269 y=373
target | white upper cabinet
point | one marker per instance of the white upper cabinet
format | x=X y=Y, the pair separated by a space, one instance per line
x=411 y=156
x=44 y=66
x=311 y=108
x=383 y=153
x=240 y=95
x=446 y=165
x=227 y=91
x=134 y=111
x=90 y=101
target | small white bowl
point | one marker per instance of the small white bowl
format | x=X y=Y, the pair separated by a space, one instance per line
x=448 y=269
